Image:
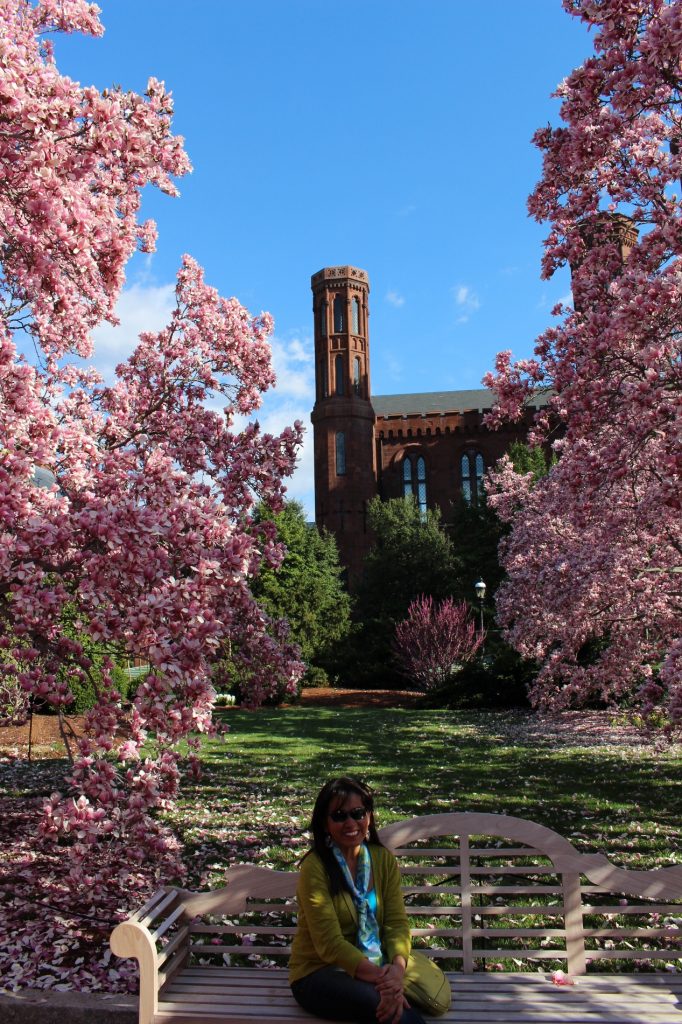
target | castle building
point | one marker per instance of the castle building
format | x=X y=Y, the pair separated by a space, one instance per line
x=433 y=446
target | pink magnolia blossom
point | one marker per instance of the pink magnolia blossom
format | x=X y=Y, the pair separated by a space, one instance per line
x=147 y=527
x=593 y=557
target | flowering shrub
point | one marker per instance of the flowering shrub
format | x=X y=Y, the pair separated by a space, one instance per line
x=434 y=640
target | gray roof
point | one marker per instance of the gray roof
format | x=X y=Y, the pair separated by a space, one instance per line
x=437 y=401
x=432 y=401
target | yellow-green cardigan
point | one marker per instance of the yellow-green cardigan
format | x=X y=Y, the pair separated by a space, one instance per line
x=328 y=925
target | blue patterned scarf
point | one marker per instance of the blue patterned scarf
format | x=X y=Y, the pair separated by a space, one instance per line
x=368 y=940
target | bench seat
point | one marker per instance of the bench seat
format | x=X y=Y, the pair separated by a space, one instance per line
x=208 y=995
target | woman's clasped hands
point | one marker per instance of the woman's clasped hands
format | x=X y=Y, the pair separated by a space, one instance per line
x=389 y=985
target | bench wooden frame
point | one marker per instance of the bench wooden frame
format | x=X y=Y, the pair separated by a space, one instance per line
x=521 y=860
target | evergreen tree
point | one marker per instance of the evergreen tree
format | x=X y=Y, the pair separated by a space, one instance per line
x=476 y=532
x=411 y=556
x=528 y=458
x=307 y=589
x=501 y=677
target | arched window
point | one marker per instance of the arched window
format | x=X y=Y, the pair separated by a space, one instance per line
x=338 y=374
x=356 y=375
x=340 y=453
x=407 y=477
x=414 y=480
x=473 y=468
x=323 y=319
x=324 y=377
x=421 y=485
x=356 y=315
x=339 y=315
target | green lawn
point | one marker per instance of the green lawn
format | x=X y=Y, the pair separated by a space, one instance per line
x=601 y=791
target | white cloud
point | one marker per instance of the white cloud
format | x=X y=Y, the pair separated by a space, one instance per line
x=273 y=417
x=467 y=302
x=390 y=368
x=289 y=400
x=395 y=298
x=141 y=307
x=292 y=399
x=466 y=297
x=292 y=360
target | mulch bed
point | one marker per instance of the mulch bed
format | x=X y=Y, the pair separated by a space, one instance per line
x=46 y=738
x=328 y=697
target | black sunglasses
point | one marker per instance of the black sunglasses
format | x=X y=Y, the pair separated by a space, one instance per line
x=357 y=814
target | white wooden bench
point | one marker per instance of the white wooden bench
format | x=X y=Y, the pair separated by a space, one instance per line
x=503 y=900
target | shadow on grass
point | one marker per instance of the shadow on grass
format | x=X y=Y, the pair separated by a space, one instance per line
x=260 y=783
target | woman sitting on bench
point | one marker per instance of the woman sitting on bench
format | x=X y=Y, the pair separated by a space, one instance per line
x=351 y=957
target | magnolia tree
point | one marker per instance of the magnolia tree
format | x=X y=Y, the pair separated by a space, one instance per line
x=146 y=530
x=594 y=552
x=434 y=640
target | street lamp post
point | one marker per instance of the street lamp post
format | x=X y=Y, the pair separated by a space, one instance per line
x=479 y=587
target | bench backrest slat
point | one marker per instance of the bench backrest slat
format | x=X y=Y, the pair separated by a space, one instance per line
x=634 y=954
x=168 y=923
x=650 y=908
x=241 y=929
x=154 y=901
x=492 y=890
x=237 y=949
x=447 y=851
x=155 y=911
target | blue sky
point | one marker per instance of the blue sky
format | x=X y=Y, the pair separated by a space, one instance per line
x=392 y=136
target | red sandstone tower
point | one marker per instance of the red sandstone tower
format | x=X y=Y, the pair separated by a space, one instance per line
x=343 y=418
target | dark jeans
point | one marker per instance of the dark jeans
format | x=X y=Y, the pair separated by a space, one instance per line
x=333 y=994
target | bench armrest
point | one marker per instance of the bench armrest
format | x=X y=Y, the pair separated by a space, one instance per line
x=131 y=939
x=140 y=937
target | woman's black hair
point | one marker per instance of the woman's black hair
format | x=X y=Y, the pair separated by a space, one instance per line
x=338 y=790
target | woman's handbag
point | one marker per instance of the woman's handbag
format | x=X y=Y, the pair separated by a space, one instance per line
x=426 y=986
